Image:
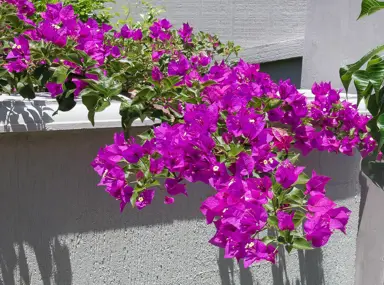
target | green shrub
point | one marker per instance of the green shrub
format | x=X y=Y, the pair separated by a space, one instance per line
x=84 y=8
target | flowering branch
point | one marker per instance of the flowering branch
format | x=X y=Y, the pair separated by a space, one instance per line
x=225 y=124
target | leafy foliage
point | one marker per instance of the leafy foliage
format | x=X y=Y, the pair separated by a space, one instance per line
x=369 y=7
x=86 y=9
x=367 y=75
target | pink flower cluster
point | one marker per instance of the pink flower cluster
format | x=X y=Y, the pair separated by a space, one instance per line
x=61 y=27
x=230 y=142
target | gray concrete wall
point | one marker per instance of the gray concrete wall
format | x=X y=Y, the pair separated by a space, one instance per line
x=268 y=30
x=57 y=227
x=370 y=242
x=334 y=37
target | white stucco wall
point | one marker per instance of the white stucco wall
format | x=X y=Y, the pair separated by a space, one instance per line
x=59 y=228
x=334 y=37
x=268 y=30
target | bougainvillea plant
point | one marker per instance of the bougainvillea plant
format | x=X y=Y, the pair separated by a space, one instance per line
x=216 y=121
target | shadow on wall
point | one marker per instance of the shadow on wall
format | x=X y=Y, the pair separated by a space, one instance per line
x=48 y=189
x=283 y=69
x=16 y=116
x=310 y=262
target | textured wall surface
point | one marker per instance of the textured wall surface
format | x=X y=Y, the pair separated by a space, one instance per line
x=57 y=227
x=370 y=245
x=268 y=30
x=334 y=37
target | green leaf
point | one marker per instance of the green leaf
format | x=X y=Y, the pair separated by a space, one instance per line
x=287 y=236
x=113 y=88
x=363 y=85
x=269 y=206
x=73 y=57
x=91 y=117
x=267 y=239
x=102 y=104
x=129 y=113
x=288 y=248
x=14 y=20
x=25 y=90
x=295 y=197
x=95 y=85
x=208 y=83
x=144 y=95
x=273 y=103
x=369 y=7
x=235 y=150
x=60 y=75
x=147 y=135
x=380 y=125
x=303 y=179
x=65 y=103
x=281 y=239
x=170 y=81
x=294 y=158
x=272 y=221
x=298 y=218
x=301 y=243
x=152 y=184
x=370 y=79
x=89 y=99
x=347 y=71
x=371 y=103
x=42 y=74
x=134 y=198
x=375 y=70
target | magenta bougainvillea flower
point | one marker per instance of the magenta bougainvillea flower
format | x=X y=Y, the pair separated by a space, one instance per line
x=145 y=198
x=16 y=66
x=54 y=88
x=185 y=33
x=316 y=183
x=178 y=67
x=285 y=220
x=156 y=74
x=287 y=173
x=174 y=187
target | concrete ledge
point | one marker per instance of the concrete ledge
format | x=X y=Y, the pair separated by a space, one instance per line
x=18 y=115
x=274 y=51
